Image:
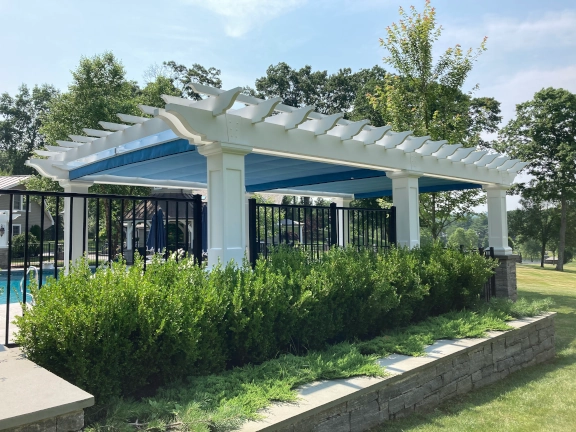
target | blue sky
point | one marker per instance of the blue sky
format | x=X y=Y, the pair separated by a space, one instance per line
x=531 y=44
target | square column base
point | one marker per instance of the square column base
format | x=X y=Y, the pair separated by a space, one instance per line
x=506 y=284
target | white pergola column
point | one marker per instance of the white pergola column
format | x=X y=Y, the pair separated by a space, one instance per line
x=497 y=219
x=129 y=230
x=405 y=197
x=74 y=227
x=343 y=220
x=227 y=234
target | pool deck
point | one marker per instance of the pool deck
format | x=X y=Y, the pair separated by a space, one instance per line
x=15 y=310
x=34 y=399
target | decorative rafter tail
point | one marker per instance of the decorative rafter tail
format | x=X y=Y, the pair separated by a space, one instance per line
x=412 y=143
x=447 y=150
x=96 y=132
x=393 y=139
x=430 y=147
x=69 y=144
x=346 y=132
x=292 y=119
x=257 y=113
x=321 y=127
x=370 y=136
x=128 y=118
x=461 y=154
x=81 y=138
x=113 y=126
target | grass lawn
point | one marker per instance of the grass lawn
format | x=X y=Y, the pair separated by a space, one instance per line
x=540 y=398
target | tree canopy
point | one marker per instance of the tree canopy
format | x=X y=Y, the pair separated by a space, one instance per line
x=426 y=95
x=344 y=91
x=21 y=117
x=544 y=134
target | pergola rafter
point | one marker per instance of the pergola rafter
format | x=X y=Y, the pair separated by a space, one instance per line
x=266 y=145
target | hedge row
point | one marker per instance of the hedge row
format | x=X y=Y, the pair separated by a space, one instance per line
x=120 y=330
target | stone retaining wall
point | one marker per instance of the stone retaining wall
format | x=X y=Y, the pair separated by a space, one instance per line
x=72 y=422
x=472 y=365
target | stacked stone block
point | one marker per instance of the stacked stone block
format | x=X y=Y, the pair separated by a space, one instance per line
x=72 y=422
x=427 y=386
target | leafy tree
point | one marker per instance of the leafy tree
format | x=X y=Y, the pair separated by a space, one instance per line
x=152 y=93
x=537 y=219
x=99 y=91
x=426 y=96
x=439 y=210
x=544 y=134
x=529 y=247
x=183 y=76
x=477 y=222
x=20 y=122
x=343 y=91
x=463 y=238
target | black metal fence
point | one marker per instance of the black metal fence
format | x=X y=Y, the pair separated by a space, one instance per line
x=316 y=228
x=37 y=225
x=490 y=285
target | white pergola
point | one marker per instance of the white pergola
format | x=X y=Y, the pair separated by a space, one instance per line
x=234 y=144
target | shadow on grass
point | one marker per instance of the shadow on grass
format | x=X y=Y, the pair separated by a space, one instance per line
x=565 y=323
x=549 y=268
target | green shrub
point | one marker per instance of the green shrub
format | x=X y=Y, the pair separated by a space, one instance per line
x=122 y=331
x=19 y=245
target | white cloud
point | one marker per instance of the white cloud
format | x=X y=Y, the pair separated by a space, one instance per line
x=551 y=30
x=521 y=86
x=557 y=29
x=240 y=16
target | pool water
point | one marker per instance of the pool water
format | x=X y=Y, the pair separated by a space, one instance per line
x=15 y=281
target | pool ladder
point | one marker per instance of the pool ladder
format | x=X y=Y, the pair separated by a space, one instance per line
x=31 y=269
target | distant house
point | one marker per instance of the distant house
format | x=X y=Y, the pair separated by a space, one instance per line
x=19 y=206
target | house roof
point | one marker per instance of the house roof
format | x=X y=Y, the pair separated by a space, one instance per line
x=8 y=182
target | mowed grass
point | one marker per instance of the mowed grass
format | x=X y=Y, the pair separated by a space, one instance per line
x=540 y=398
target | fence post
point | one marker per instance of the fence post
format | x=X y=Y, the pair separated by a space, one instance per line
x=493 y=284
x=333 y=225
x=392 y=226
x=197 y=239
x=252 y=252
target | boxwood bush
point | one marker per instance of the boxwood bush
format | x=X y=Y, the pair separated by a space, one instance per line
x=122 y=331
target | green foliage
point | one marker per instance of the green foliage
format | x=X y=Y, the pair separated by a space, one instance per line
x=468 y=239
x=21 y=118
x=19 y=245
x=35 y=230
x=544 y=134
x=536 y=220
x=121 y=331
x=426 y=96
x=224 y=401
x=344 y=91
x=98 y=92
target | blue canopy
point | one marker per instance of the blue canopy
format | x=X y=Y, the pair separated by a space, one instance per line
x=157 y=235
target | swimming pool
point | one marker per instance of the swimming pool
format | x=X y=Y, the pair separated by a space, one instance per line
x=16 y=277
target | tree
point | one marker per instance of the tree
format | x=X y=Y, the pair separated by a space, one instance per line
x=99 y=91
x=439 y=210
x=343 y=91
x=544 y=134
x=463 y=238
x=20 y=123
x=183 y=76
x=537 y=219
x=151 y=94
x=426 y=96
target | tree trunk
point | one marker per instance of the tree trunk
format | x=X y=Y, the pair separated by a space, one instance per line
x=562 y=242
x=542 y=253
